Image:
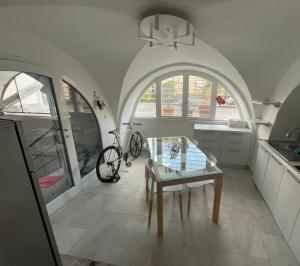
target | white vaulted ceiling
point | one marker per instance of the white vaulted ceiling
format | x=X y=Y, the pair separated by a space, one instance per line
x=260 y=38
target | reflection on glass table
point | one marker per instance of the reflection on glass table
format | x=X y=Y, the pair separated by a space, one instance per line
x=188 y=161
x=178 y=161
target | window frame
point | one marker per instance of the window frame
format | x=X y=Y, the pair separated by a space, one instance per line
x=185 y=97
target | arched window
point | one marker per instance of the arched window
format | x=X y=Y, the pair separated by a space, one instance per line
x=25 y=93
x=188 y=95
x=147 y=104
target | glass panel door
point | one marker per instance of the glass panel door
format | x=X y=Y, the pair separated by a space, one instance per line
x=85 y=129
x=29 y=98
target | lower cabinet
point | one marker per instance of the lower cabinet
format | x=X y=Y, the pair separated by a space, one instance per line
x=295 y=239
x=262 y=158
x=272 y=180
x=279 y=184
x=230 y=147
x=288 y=203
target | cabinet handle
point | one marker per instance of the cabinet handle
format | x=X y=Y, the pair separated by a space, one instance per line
x=236 y=133
x=236 y=142
x=293 y=176
x=235 y=150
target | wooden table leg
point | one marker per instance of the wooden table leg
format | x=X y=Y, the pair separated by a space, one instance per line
x=159 y=197
x=217 y=198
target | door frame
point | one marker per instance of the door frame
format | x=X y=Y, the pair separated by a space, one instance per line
x=71 y=156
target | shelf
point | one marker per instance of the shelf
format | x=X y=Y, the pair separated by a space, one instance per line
x=275 y=104
x=263 y=122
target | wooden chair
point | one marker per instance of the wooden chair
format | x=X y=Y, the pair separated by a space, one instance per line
x=151 y=182
x=199 y=184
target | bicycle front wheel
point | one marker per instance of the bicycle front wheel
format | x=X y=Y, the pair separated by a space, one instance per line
x=136 y=144
x=108 y=164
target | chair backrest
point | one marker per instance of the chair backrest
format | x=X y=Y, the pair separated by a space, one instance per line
x=146 y=148
x=149 y=168
x=212 y=158
x=145 y=145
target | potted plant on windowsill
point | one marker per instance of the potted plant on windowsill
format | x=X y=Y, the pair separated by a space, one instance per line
x=168 y=110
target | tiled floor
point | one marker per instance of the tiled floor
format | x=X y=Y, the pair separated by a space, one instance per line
x=108 y=223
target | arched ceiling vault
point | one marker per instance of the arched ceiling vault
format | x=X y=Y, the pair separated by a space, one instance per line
x=261 y=38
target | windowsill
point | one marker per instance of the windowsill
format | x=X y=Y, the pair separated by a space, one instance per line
x=198 y=121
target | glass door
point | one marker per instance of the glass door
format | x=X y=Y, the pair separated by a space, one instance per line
x=85 y=129
x=30 y=98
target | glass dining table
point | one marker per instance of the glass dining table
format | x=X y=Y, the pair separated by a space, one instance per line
x=177 y=160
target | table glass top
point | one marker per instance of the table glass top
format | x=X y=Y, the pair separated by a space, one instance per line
x=177 y=157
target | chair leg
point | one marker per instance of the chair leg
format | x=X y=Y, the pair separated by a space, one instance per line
x=150 y=212
x=147 y=186
x=174 y=194
x=151 y=192
x=180 y=204
x=189 y=201
x=203 y=188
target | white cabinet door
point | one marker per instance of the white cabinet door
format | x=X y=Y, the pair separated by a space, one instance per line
x=272 y=180
x=295 y=239
x=288 y=202
x=262 y=159
x=234 y=156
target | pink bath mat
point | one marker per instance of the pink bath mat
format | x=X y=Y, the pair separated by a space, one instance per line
x=50 y=180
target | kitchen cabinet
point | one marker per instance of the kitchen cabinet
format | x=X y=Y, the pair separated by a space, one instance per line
x=230 y=145
x=295 y=238
x=262 y=158
x=272 y=180
x=288 y=202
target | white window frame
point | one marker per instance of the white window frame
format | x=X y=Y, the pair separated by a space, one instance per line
x=185 y=96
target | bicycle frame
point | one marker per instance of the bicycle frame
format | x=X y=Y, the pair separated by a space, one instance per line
x=117 y=141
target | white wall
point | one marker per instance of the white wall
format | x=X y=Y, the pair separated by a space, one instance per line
x=287 y=83
x=149 y=63
x=287 y=117
x=22 y=52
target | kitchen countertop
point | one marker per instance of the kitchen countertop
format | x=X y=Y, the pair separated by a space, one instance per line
x=74 y=261
x=222 y=128
x=290 y=164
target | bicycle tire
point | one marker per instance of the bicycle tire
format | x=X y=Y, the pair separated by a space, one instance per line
x=136 y=144
x=103 y=163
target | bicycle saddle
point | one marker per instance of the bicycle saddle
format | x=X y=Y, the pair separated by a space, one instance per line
x=113 y=131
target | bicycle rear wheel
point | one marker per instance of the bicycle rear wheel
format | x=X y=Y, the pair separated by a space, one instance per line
x=136 y=144
x=108 y=165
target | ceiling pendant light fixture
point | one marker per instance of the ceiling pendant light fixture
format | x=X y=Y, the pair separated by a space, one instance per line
x=166 y=30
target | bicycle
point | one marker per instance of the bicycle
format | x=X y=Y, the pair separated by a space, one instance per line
x=109 y=161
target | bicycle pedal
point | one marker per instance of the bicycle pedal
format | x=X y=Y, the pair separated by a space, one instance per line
x=128 y=164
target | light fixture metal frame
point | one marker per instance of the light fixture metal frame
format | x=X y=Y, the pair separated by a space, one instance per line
x=154 y=42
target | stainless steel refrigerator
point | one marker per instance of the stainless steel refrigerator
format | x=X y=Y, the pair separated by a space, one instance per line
x=26 y=236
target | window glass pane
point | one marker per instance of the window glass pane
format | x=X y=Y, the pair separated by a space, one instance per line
x=85 y=129
x=147 y=104
x=11 y=98
x=199 y=97
x=171 y=96
x=228 y=109
x=33 y=95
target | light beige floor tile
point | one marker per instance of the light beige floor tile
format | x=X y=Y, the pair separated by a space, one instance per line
x=278 y=250
x=66 y=236
x=114 y=220
x=197 y=257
